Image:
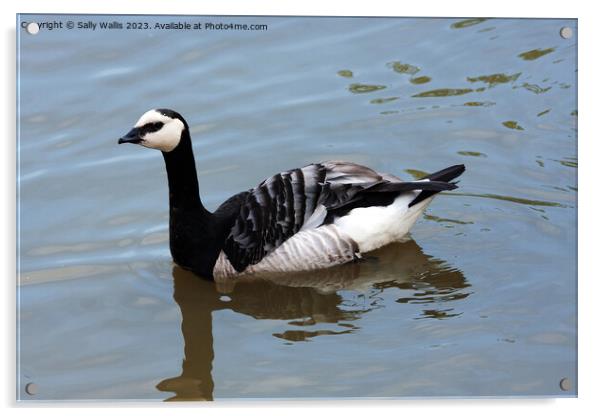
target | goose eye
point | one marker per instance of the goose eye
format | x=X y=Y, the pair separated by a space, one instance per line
x=151 y=127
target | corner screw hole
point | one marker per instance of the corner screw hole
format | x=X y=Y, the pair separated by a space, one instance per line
x=566 y=32
x=565 y=384
x=32 y=28
x=31 y=389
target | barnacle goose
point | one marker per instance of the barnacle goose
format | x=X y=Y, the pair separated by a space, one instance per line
x=309 y=218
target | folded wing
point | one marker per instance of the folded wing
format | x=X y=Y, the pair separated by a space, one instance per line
x=306 y=198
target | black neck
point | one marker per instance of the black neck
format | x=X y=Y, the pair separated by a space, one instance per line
x=193 y=231
x=182 y=178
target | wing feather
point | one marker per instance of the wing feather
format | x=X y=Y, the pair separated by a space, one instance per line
x=302 y=199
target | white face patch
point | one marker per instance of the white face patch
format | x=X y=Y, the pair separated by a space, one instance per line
x=167 y=137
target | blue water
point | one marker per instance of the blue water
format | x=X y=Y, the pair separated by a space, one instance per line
x=480 y=301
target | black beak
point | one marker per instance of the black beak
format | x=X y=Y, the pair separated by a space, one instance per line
x=132 y=137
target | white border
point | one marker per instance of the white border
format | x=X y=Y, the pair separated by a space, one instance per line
x=589 y=191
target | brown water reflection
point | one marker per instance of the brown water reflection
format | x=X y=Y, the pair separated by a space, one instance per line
x=306 y=299
x=444 y=92
x=494 y=79
x=535 y=54
x=364 y=88
x=467 y=23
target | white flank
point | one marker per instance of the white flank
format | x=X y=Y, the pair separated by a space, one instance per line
x=374 y=227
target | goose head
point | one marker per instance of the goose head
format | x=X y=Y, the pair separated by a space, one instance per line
x=160 y=129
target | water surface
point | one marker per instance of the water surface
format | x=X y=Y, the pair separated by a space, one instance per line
x=480 y=301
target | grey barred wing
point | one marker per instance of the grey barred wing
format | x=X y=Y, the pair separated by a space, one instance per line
x=306 y=198
x=288 y=202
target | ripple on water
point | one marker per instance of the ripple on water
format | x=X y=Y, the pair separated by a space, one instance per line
x=478 y=104
x=70 y=272
x=471 y=153
x=494 y=79
x=534 y=88
x=444 y=92
x=511 y=124
x=420 y=80
x=506 y=198
x=446 y=220
x=467 y=23
x=535 y=54
x=345 y=73
x=365 y=88
x=416 y=174
x=544 y=112
x=113 y=72
x=401 y=68
x=383 y=100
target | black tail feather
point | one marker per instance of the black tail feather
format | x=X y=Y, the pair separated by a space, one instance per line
x=384 y=193
x=398 y=187
x=444 y=175
x=447 y=174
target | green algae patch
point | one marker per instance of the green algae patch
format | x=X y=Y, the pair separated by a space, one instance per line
x=535 y=54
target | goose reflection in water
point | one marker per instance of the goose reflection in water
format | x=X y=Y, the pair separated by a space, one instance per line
x=306 y=299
